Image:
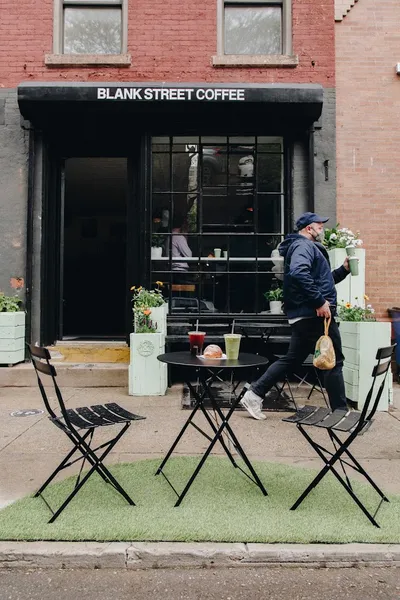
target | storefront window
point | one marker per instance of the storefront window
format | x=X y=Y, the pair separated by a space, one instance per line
x=218 y=207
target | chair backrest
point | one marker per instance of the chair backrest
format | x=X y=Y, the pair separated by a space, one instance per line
x=383 y=356
x=40 y=358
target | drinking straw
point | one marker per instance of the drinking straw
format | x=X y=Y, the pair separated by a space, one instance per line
x=197 y=324
x=233 y=326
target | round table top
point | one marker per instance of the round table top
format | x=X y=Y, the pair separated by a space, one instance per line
x=185 y=359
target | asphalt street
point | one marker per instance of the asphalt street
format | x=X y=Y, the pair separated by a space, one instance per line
x=272 y=583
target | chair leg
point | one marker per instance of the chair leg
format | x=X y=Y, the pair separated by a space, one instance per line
x=97 y=466
x=61 y=466
x=329 y=466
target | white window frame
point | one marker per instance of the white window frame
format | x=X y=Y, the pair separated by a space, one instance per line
x=58 y=25
x=285 y=58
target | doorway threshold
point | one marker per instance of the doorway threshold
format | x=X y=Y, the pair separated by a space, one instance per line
x=90 y=351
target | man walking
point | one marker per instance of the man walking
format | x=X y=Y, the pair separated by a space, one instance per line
x=309 y=296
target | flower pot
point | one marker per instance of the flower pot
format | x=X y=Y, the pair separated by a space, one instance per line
x=351 y=289
x=156 y=252
x=275 y=307
x=12 y=337
x=158 y=317
x=360 y=342
x=147 y=375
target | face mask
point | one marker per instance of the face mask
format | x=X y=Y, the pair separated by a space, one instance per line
x=318 y=237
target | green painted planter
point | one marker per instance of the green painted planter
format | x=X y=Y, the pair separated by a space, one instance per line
x=147 y=375
x=360 y=342
x=12 y=337
x=351 y=289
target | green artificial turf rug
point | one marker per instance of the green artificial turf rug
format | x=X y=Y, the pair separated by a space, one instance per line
x=221 y=506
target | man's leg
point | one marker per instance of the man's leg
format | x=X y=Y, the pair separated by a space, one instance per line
x=333 y=379
x=304 y=336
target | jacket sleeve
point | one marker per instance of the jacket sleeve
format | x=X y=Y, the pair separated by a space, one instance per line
x=300 y=272
x=339 y=274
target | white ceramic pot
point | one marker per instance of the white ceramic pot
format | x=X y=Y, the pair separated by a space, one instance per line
x=156 y=252
x=275 y=307
x=12 y=337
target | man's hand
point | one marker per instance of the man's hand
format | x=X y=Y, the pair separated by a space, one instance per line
x=324 y=310
x=346 y=264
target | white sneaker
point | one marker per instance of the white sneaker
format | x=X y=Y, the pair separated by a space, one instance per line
x=253 y=403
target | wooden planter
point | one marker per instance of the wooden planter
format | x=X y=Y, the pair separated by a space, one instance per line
x=159 y=317
x=12 y=337
x=360 y=342
x=351 y=289
x=147 y=375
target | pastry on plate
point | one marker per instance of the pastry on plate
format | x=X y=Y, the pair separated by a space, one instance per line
x=212 y=351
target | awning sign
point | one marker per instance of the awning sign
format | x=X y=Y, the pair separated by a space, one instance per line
x=170 y=93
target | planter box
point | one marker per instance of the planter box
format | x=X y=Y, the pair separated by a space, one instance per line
x=12 y=338
x=360 y=342
x=147 y=375
x=159 y=316
x=352 y=287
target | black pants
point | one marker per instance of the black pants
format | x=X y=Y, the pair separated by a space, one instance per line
x=305 y=334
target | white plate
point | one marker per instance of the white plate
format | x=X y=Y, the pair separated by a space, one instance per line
x=223 y=357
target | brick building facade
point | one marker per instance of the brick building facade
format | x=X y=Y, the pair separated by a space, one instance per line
x=63 y=145
x=368 y=138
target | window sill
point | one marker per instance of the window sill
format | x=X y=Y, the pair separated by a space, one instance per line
x=267 y=61
x=87 y=60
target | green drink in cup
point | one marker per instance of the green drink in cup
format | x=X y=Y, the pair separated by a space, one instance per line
x=232 y=345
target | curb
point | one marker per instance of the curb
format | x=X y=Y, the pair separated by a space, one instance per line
x=163 y=555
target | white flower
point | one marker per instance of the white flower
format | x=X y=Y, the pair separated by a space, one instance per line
x=358 y=242
x=332 y=237
x=372 y=310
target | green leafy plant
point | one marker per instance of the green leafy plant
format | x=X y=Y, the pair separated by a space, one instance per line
x=157 y=240
x=143 y=301
x=355 y=312
x=274 y=295
x=9 y=303
x=337 y=237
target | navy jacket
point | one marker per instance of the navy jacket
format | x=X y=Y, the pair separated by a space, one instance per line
x=308 y=280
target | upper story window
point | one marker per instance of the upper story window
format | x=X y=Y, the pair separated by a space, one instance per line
x=255 y=32
x=89 y=32
x=92 y=27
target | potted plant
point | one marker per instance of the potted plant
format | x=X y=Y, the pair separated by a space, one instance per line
x=275 y=297
x=362 y=335
x=12 y=330
x=336 y=240
x=147 y=375
x=157 y=241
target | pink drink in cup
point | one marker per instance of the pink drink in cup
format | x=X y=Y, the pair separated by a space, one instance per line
x=196 y=341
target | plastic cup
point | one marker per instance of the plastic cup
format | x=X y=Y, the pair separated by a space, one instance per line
x=353 y=264
x=217 y=252
x=232 y=345
x=196 y=341
x=350 y=251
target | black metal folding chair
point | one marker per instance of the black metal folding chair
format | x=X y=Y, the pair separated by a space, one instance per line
x=352 y=423
x=79 y=425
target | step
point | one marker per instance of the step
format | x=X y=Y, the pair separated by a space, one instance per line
x=69 y=374
x=90 y=352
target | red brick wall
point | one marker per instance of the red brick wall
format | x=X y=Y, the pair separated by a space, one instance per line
x=368 y=140
x=171 y=40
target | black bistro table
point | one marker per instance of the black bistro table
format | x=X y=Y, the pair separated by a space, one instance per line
x=207 y=371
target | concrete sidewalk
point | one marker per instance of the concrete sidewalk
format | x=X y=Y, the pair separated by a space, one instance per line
x=30 y=447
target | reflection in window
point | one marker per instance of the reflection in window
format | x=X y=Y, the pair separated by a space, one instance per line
x=218 y=212
x=94 y=29
x=253 y=29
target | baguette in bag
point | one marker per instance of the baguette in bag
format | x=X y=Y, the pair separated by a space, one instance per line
x=324 y=355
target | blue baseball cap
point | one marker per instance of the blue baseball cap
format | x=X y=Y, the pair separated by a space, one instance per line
x=307 y=218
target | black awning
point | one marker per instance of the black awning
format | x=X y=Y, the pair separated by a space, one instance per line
x=40 y=102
